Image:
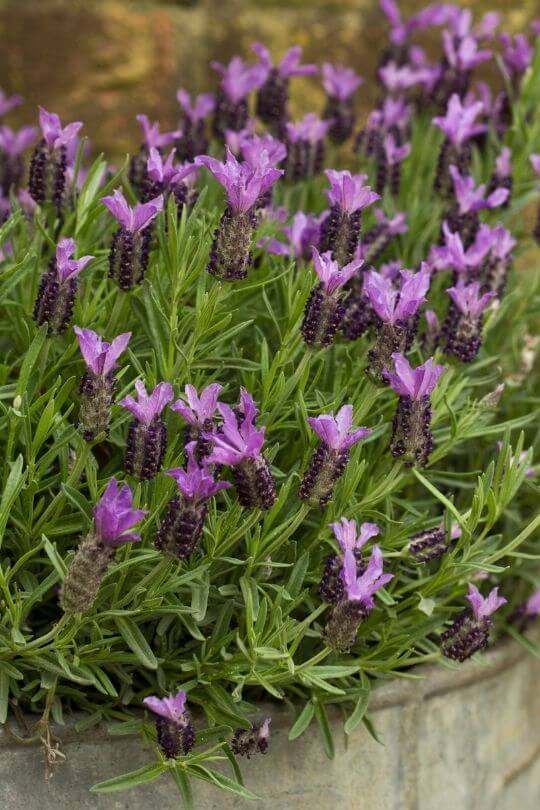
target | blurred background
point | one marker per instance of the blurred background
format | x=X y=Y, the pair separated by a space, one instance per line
x=104 y=61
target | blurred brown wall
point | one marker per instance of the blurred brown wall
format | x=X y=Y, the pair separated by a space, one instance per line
x=104 y=61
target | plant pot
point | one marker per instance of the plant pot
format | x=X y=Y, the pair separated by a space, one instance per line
x=466 y=737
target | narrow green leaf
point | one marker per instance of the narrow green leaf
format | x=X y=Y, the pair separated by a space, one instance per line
x=130 y=780
x=136 y=642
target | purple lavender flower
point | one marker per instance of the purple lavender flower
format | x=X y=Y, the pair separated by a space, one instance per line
x=324 y=308
x=332 y=585
x=273 y=94
x=396 y=310
x=238 y=444
x=258 y=150
x=330 y=459
x=58 y=288
x=194 y=140
x=412 y=439
x=470 y=631
x=231 y=256
x=12 y=145
x=153 y=138
x=342 y=626
x=246 y=742
x=469 y=199
x=517 y=55
x=169 y=178
x=390 y=155
x=147 y=435
x=199 y=414
x=348 y=196
x=459 y=126
x=113 y=519
x=8 y=103
x=393 y=118
x=180 y=530
x=340 y=84
x=303 y=234
x=453 y=256
x=463 y=325
x=47 y=180
x=98 y=384
x=305 y=146
x=175 y=731
x=130 y=246
x=238 y=79
x=494 y=272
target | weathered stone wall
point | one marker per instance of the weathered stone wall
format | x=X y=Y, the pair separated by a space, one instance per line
x=466 y=738
x=103 y=61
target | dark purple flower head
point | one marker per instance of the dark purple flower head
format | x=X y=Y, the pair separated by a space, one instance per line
x=166 y=171
x=363 y=588
x=171 y=708
x=7 y=103
x=503 y=164
x=413 y=382
x=197 y=481
x=15 y=142
x=339 y=81
x=458 y=124
x=463 y=55
x=303 y=234
x=200 y=407
x=393 y=305
x=100 y=356
x=331 y=276
x=54 y=134
x=467 y=298
x=238 y=78
x=470 y=197
x=199 y=108
x=243 y=184
x=148 y=407
x=335 y=431
x=289 y=65
x=234 y=443
x=535 y=163
x=395 y=153
x=152 y=135
x=394 y=226
x=346 y=533
x=348 y=191
x=517 y=53
x=66 y=267
x=262 y=150
x=483 y=607
x=114 y=516
x=135 y=218
x=311 y=128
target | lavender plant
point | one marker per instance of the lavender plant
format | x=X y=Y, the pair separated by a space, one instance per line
x=252 y=578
